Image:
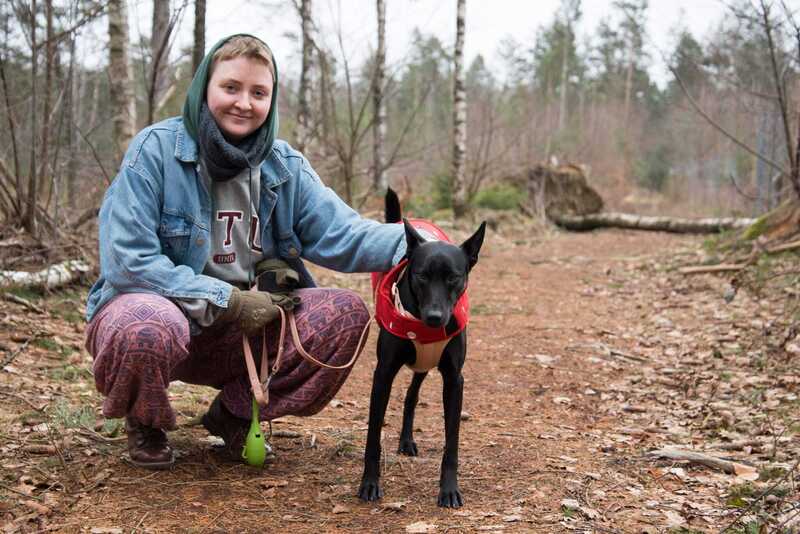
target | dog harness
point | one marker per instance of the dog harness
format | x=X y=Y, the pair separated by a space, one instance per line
x=429 y=342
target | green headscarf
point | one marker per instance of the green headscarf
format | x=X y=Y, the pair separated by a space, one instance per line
x=197 y=96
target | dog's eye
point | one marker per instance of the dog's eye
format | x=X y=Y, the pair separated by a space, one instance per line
x=453 y=280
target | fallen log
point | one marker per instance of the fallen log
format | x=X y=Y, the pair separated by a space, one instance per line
x=643 y=222
x=53 y=276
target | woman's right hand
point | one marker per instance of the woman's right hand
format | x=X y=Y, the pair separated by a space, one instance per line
x=251 y=309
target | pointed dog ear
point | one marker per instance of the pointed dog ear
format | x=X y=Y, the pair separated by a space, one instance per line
x=413 y=239
x=472 y=246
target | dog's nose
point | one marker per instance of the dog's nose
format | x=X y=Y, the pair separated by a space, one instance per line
x=434 y=318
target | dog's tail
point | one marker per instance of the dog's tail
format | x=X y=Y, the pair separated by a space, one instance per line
x=392 y=212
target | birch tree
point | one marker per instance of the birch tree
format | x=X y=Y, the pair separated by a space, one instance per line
x=123 y=105
x=459 y=116
x=379 y=179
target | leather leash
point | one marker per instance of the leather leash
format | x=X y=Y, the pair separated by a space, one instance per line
x=259 y=382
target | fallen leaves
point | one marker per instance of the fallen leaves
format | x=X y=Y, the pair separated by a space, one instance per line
x=420 y=527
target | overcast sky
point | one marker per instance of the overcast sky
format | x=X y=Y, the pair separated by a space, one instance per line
x=488 y=22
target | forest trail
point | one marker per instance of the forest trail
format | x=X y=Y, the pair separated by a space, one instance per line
x=586 y=351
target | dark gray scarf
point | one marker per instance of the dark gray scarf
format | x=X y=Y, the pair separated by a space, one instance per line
x=222 y=159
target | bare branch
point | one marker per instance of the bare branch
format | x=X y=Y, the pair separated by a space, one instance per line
x=779 y=84
x=719 y=127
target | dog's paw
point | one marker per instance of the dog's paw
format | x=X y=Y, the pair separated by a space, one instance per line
x=450 y=498
x=370 y=491
x=408 y=447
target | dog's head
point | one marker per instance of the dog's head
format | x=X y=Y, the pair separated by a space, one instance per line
x=438 y=271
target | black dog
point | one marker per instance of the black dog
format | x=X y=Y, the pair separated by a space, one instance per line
x=429 y=289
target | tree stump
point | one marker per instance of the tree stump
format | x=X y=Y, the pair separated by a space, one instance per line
x=558 y=191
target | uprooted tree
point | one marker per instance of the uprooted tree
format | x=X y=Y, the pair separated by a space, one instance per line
x=563 y=195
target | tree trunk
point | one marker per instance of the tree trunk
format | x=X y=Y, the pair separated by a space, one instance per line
x=123 y=105
x=159 y=54
x=199 y=48
x=18 y=200
x=45 y=171
x=95 y=100
x=379 y=179
x=562 y=107
x=459 y=116
x=73 y=112
x=30 y=213
x=641 y=222
x=303 y=129
x=325 y=111
x=626 y=117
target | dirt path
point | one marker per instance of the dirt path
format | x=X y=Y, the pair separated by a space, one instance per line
x=585 y=351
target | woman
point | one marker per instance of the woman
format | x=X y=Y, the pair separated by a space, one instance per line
x=200 y=202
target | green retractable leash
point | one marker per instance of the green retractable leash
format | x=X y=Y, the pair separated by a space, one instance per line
x=255 y=446
x=254 y=451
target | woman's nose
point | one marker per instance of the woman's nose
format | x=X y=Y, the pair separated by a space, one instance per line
x=243 y=102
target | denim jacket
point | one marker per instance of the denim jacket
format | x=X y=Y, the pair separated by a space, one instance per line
x=155 y=222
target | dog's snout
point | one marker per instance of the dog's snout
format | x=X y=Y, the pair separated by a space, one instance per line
x=434 y=318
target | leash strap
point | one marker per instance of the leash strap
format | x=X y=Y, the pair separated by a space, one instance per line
x=259 y=382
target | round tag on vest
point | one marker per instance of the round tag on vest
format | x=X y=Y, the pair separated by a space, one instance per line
x=411 y=335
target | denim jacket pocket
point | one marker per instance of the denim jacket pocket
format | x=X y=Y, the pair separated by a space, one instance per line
x=174 y=233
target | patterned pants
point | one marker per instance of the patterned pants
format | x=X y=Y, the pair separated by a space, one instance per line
x=140 y=343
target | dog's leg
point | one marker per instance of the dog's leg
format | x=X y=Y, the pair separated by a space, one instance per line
x=407 y=444
x=382 y=379
x=452 y=396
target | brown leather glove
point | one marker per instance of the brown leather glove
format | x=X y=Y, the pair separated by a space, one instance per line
x=275 y=275
x=255 y=309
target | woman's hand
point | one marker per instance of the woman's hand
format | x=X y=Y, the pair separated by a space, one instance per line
x=251 y=309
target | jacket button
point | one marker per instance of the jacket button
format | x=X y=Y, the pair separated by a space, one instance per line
x=293 y=252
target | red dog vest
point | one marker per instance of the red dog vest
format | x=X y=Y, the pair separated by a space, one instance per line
x=428 y=341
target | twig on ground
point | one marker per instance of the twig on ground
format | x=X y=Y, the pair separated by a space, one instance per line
x=726 y=466
x=719 y=268
x=13 y=356
x=23 y=399
x=24 y=302
x=99 y=437
x=762 y=495
x=751 y=259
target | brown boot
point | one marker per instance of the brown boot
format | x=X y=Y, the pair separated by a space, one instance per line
x=148 y=446
x=233 y=430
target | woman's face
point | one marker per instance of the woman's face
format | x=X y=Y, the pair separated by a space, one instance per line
x=239 y=95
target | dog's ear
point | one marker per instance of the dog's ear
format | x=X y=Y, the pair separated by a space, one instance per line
x=472 y=246
x=392 y=211
x=413 y=239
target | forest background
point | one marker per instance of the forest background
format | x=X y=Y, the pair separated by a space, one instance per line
x=715 y=138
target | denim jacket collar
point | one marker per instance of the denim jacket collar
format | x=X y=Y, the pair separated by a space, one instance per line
x=272 y=175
